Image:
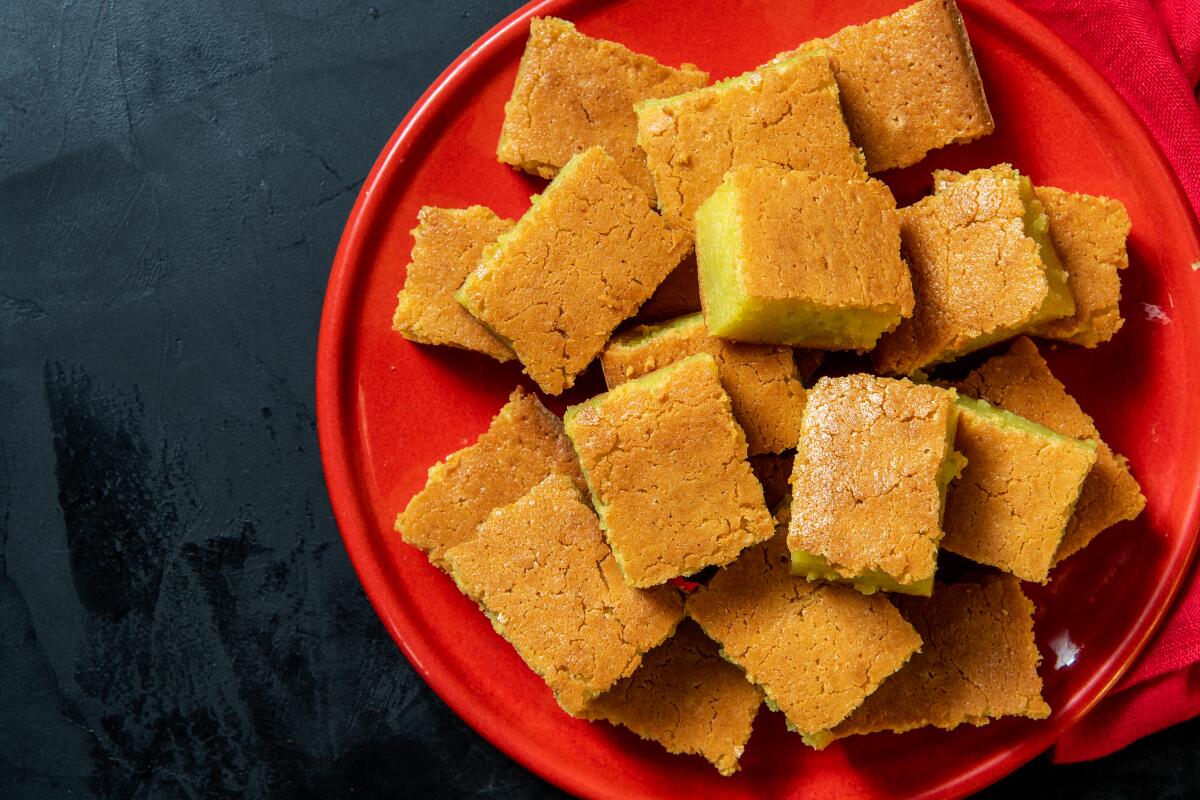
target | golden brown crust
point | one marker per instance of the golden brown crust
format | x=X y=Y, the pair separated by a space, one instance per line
x=573 y=92
x=583 y=258
x=978 y=661
x=977 y=277
x=686 y=698
x=817 y=650
x=540 y=570
x=865 y=492
x=1020 y=381
x=909 y=84
x=1089 y=233
x=446 y=246
x=677 y=296
x=762 y=380
x=524 y=443
x=825 y=239
x=666 y=465
x=1015 y=497
x=784 y=113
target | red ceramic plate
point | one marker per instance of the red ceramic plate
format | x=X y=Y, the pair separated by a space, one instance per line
x=389 y=409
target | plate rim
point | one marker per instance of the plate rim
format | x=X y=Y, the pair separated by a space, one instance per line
x=350 y=504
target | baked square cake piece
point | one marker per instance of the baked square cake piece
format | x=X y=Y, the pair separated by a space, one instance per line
x=978 y=662
x=687 y=698
x=784 y=113
x=541 y=572
x=446 y=246
x=908 y=83
x=573 y=92
x=762 y=381
x=983 y=269
x=524 y=444
x=1020 y=381
x=816 y=649
x=583 y=258
x=869 y=482
x=666 y=465
x=797 y=258
x=1089 y=233
x=1010 y=506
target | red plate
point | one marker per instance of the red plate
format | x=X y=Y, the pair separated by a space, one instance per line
x=389 y=409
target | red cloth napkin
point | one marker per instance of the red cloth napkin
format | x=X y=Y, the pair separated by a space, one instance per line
x=1149 y=50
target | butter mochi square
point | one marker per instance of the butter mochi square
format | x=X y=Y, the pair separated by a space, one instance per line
x=797 y=258
x=541 y=572
x=574 y=92
x=978 y=662
x=666 y=465
x=1089 y=233
x=447 y=243
x=586 y=255
x=784 y=113
x=523 y=445
x=1020 y=381
x=983 y=269
x=762 y=381
x=909 y=83
x=869 y=482
x=1011 y=505
x=687 y=698
x=817 y=650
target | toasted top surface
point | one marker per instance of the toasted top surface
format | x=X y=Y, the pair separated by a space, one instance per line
x=523 y=444
x=1011 y=505
x=1089 y=232
x=446 y=246
x=784 y=113
x=541 y=571
x=666 y=464
x=815 y=649
x=762 y=380
x=976 y=275
x=865 y=491
x=687 y=698
x=978 y=661
x=909 y=84
x=573 y=92
x=831 y=240
x=1021 y=382
x=583 y=258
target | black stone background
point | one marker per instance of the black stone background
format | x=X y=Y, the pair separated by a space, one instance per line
x=178 y=617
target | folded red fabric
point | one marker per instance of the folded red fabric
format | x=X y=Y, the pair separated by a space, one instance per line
x=1149 y=50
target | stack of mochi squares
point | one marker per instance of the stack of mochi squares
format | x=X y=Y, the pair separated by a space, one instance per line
x=742 y=519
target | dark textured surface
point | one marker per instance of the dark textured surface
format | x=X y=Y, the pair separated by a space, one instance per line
x=177 y=614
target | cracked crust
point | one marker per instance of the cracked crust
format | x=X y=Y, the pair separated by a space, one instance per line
x=814 y=247
x=909 y=84
x=524 y=443
x=762 y=381
x=583 y=258
x=978 y=662
x=816 y=649
x=1011 y=505
x=785 y=113
x=446 y=246
x=865 y=487
x=541 y=572
x=573 y=92
x=666 y=465
x=978 y=278
x=1089 y=233
x=1020 y=381
x=686 y=698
